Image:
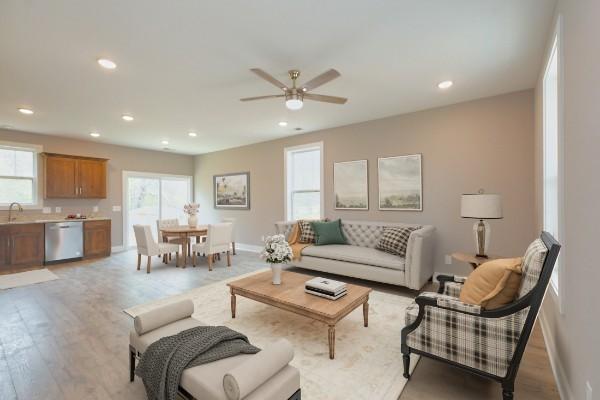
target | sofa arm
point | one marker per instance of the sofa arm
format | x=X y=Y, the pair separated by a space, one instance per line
x=418 y=266
x=246 y=377
x=161 y=316
x=447 y=302
x=450 y=284
x=284 y=228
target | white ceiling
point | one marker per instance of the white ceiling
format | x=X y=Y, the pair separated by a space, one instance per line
x=183 y=65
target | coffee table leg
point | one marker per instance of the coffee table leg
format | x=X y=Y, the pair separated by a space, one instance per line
x=366 y=313
x=232 y=305
x=331 y=335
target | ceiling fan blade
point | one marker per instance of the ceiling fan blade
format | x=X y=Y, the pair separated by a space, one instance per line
x=326 y=99
x=262 y=97
x=269 y=78
x=320 y=80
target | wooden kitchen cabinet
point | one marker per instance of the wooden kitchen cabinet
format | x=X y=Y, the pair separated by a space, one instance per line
x=21 y=247
x=96 y=239
x=68 y=177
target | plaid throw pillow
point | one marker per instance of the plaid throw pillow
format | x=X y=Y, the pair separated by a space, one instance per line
x=307 y=233
x=394 y=239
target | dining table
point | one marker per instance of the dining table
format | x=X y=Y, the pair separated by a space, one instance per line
x=184 y=232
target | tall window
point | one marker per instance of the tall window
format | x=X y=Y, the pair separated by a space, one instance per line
x=304 y=176
x=551 y=146
x=18 y=174
x=150 y=197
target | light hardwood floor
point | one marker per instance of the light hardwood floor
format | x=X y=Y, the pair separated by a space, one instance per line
x=67 y=339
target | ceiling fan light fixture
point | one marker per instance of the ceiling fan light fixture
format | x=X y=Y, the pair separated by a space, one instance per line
x=293 y=101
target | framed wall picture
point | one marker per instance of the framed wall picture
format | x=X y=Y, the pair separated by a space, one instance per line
x=232 y=191
x=400 y=183
x=351 y=185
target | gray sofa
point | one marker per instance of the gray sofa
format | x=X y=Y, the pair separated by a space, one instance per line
x=360 y=259
x=265 y=375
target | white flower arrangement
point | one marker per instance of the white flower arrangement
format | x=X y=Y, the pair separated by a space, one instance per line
x=191 y=209
x=277 y=250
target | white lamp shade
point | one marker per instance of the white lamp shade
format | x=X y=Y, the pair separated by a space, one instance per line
x=481 y=206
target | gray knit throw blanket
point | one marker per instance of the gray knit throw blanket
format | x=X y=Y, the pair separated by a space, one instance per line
x=163 y=361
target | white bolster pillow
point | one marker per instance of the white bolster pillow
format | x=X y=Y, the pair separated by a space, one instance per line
x=243 y=379
x=150 y=320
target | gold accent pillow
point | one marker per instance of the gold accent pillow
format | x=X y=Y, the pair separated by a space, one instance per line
x=493 y=284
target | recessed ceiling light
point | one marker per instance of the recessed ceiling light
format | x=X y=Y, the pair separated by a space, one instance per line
x=127 y=117
x=282 y=123
x=106 y=63
x=165 y=142
x=26 y=111
x=192 y=134
x=445 y=84
x=94 y=134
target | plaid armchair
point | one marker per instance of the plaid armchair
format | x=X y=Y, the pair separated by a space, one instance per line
x=487 y=343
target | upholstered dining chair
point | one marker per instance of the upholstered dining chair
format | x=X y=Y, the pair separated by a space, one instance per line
x=218 y=240
x=489 y=343
x=147 y=246
x=169 y=223
x=232 y=222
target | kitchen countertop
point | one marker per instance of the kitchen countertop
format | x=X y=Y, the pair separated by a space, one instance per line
x=50 y=220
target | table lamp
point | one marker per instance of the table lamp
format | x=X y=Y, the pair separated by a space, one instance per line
x=481 y=206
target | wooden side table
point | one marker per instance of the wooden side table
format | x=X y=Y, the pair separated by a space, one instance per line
x=473 y=259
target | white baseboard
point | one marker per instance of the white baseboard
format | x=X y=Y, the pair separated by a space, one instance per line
x=560 y=376
x=117 y=249
x=248 y=247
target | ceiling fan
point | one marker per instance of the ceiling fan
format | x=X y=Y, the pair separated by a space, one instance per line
x=295 y=96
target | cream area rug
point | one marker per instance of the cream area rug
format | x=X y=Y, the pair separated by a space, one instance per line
x=26 y=278
x=368 y=361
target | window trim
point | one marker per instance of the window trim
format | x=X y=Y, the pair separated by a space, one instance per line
x=556 y=45
x=287 y=199
x=124 y=192
x=36 y=149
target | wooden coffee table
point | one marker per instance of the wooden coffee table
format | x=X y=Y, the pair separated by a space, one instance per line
x=290 y=296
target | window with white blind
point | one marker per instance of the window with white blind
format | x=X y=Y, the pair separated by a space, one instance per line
x=18 y=174
x=304 y=177
x=551 y=150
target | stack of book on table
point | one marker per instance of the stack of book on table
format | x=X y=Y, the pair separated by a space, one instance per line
x=327 y=288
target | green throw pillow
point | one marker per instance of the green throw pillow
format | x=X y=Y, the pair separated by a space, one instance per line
x=328 y=232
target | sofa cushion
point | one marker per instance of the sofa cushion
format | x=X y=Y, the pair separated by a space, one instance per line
x=393 y=240
x=356 y=254
x=307 y=234
x=328 y=232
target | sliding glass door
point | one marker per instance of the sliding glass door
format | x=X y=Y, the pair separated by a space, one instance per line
x=149 y=197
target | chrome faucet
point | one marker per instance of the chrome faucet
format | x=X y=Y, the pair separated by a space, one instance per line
x=10 y=211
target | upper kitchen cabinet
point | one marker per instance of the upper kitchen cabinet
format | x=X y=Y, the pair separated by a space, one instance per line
x=67 y=176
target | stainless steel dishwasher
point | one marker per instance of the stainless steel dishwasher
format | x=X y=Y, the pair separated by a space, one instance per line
x=64 y=241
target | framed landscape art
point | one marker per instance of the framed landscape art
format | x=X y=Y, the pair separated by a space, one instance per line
x=232 y=191
x=400 y=183
x=351 y=185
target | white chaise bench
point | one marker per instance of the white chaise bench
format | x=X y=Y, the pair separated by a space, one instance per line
x=265 y=375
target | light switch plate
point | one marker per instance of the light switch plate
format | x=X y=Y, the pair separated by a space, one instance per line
x=116 y=208
x=448 y=259
x=588 y=391
x=57 y=209
x=95 y=209
x=46 y=210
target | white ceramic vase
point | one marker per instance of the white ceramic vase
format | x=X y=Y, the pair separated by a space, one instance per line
x=192 y=221
x=276 y=269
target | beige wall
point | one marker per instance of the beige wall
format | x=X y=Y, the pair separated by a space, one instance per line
x=573 y=334
x=121 y=159
x=486 y=144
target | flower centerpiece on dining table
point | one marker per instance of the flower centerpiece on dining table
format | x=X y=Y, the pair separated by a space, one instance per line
x=277 y=251
x=191 y=210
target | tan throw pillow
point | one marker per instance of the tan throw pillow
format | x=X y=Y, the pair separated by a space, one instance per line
x=493 y=284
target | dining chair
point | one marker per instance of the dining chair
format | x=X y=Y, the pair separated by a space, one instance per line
x=147 y=246
x=218 y=240
x=169 y=223
x=232 y=222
